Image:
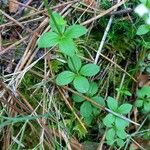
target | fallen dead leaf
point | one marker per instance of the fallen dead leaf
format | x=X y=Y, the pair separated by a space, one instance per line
x=13 y=7
x=143 y=79
x=134 y=146
x=91 y=3
x=75 y=145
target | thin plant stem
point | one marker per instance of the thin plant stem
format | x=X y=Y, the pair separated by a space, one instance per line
x=51 y=15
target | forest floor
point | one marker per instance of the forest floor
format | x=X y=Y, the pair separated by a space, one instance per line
x=78 y=79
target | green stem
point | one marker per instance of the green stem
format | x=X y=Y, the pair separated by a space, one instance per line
x=51 y=15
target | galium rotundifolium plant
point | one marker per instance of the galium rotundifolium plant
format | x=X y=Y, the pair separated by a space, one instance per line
x=116 y=133
x=143 y=98
x=61 y=35
x=77 y=74
x=143 y=10
x=87 y=110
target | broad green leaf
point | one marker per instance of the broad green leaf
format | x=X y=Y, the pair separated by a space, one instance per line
x=143 y=29
x=88 y=120
x=144 y=92
x=147 y=106
x=81 y=84
x=75 y=31
x=120 y=123
x=120 y=142
x=67 y=46
x=92 y=89
x=65 y=78
x=74 y=63
x=110 y=134
x=110 y=142
x=77 y=98
x=139 y=103
x=124 y=108
x=146 y=44
x=96 y=111
x=86 y=109
x=121 y=134
x=61 y=23
x=112 y=103
x=109 y=120
x=48 y=39
x=148 y=69
x=99 y=100
x=89 y=70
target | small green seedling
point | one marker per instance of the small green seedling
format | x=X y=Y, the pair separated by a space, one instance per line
x=123 y=91
x=77 y=74
x=87 y=110
x=143 y=98
x=116 y=126
x=61 y=36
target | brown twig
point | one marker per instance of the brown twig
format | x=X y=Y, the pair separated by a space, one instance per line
x=12 y=19
x=13 y=45
x=104 y=13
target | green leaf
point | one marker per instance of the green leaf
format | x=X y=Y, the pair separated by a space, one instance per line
x=74 y=63
x=109 y=120
x=146 y=44
x=92 y=89
x=127 y=93
x=99 y=100
x=81 y=84
x=65 y=78
x=148 y=69
x=120 y=123
x=123 y=91
x=48 y=39
x=143 y=29
x=125 y=108
x=120 y=142
x=144 y=92
x=121 y=134
x=96 y=111
x=110 y=134
x=146 y=3
x=89 y=70
x=67 y=46
x=139 y=103
x=112 y=103
x=75 y=31
x=86 y=110
x=88 y=120
x=77 y=98
x=61 y=23
x=110 y=142
x=147 y=106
